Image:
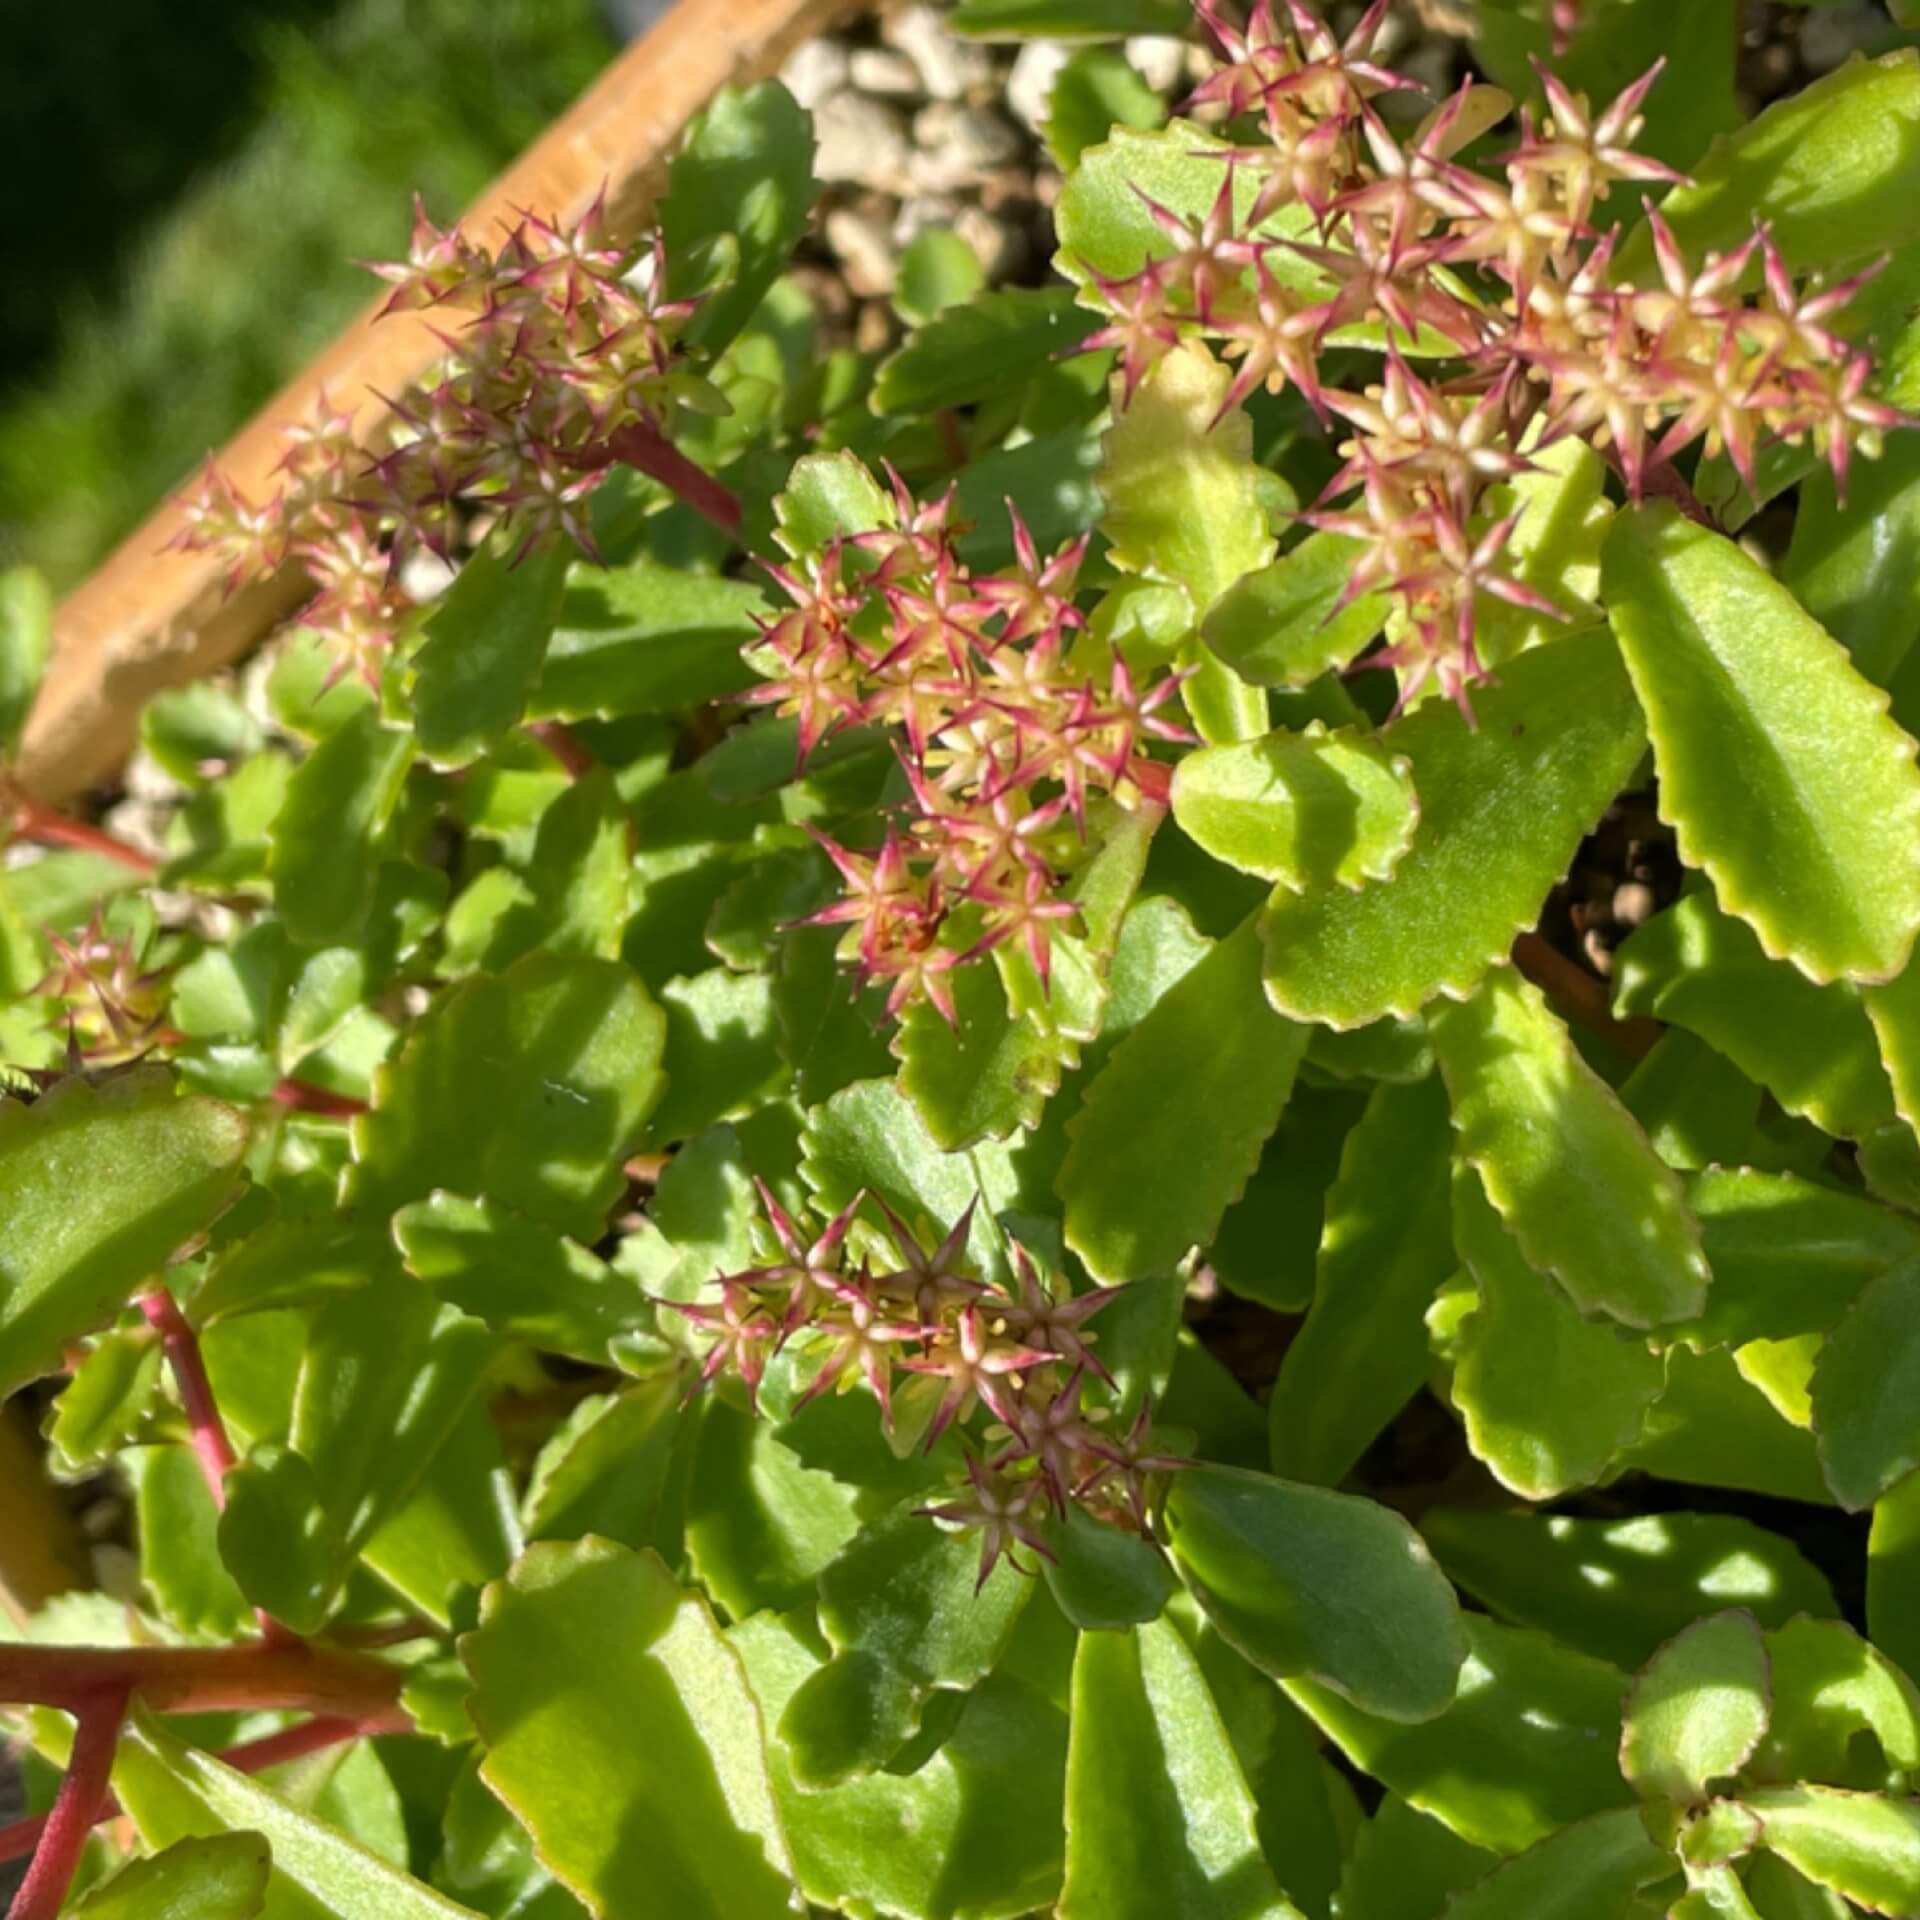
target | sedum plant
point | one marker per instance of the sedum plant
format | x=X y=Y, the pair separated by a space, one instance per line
x=845 y=1149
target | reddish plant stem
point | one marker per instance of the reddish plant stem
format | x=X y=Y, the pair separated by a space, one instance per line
x=80 y=1806
x=250 y=1756
x=642 y=448
x=297 y=1097
x=298 y=1678
x=566 y=746
x=1581 y=996
x=182 y=1347
x=47 y=828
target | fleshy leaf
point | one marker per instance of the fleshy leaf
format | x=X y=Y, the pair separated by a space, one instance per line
x=1866 y=1389
x=485 y=640
x=1308 y=810
x=1159 y=1819
x=1104 y=1578
x=1384 y=1250
x=905 y=1613
x=1305 y=1581
x=1830 y=1688
x=1567 y=1169
x=827 y=497
x=1284 y=626
x=1893 y=1573
x=1095 y=92
x=99 y=1185
x=1698 y=1709
x=1865 y=1846
x=26 y=644
x=1780 y=770
x=579 y=1650
x=1549 y=1398
x=1405 y=1864
x=1171 y=1128
x=722 y=1056
x=1618 y=1588
x=1502 y=809
x=980 y=347
x=526 y=1088
x=223 y=1878
x=1588 y=1869
x=1811 y=1047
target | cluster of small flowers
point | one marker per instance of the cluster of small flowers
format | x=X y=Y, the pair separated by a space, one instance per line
x=567 y=358
x=1022 y=1355
x=1645 y=371
x=1003 y=737
x=111 y=1004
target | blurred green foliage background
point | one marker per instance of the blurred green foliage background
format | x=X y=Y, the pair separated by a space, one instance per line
x=192 y=183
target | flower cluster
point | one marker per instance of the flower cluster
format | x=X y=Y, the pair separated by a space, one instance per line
x=1004 y=735
x=561 y=361
x=111 y=1003
x=1022 y=1356
x=1331 y=220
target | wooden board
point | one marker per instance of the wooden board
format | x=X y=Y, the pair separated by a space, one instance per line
x=151 y=618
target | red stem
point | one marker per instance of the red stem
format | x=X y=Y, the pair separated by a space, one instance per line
x=298 y=1677
x=566 y=746
x=47 y=828
x=250 y=1756
x=641 y=447
x=1581 y=996
x=208 y=1430
x=80 y=1806
x=298 y=1097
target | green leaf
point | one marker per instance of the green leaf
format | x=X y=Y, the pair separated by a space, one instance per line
x=1811 y=1047
x=581 y=1648
x=1171 y=1128
x=581 y=868
x=913 y=1843
x=1778 y=1893
x=645 y=638
x=906 y=1615
x=323 y=844
x=937 y=270
x=1308 y=810
x=522 y=1279
x=1863 y=1845
x=1405 y=1864
x=1530 y=1743
x=177 y=1526
x=1067 y=19
x=1698 y=1709
x=1696 y=1107
x=1589 y=1869
x=176 y=1792
x=977 y=348
x=1618 y=1588
x=484 y=641
x=1830 y=1688
x=722 y=1055
x=276 y=1541
x=26 y=644
x=527 y=1088
x=1304 y=1581
x=224 y=1878
x=1384 y=1250
x=99 y=1185
x=1159 y=1819
x=1713 y=1428
x=1183 y=493
x=1824 y=169
x=1866 y=1389
x=1811 y=839
x=106 y=1400
x=1502 y=810
x=1284 y=626
x=1549 y=1399
x=1563 y=1162
x=828 y=496
x=1095 y=92
x=1103 y=1578
x=744 y=172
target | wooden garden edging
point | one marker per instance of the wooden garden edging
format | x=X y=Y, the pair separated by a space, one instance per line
x=152 y=617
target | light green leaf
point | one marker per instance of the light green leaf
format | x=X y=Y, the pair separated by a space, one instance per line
x=617 y=1724
x=580 y=874
x=1171 y=1128
x=1696 y=1107
x=979 y=347
x=1811 y=1047
x=26 y=644
x=527 y=1088
x=177 y=1527
x=1866 y=1389
x=99 y=1185
x=1712 y=1428
x=1309 y=810
x=1384 y=1249
x=276 y=1538
x=827 y=497
x=1502 y=810
x=1865 y=1846
x=938 y=270
x=1698 y=1709
x=1778 y=1893
x=1894 y=1010
x=1589 y=1869
x=722 y=1055
x=1563 y=1162
x=485 y=639
x=1780 y=770
x=1893 y=1574
x=1831 y=1687
x=1182 y=490
x=224 y=1878
x=322 y=846
x=1305 y=1581
x=645 y=638
x=1159 y=1819
x=906 y=1615
x=1549 y=1399
x=1095 y=92
x=1530 y=1743
x=106 y=1400
x=1618 y=1588
x=1284 y=626
x=744 y=172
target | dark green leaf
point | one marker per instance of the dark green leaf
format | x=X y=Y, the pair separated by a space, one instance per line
x=1866 y=1389
x=1096 y=91
x=26 y=643
x=979 y=347
x=1589 y=1869
x=1067 y=19
x=1103 y=1577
